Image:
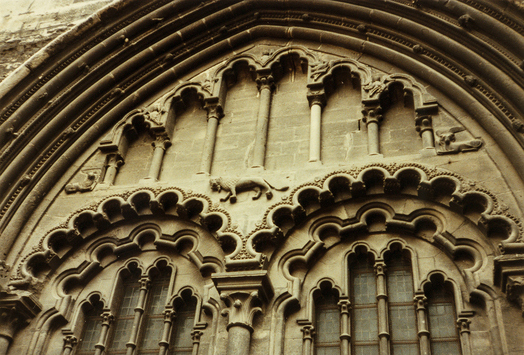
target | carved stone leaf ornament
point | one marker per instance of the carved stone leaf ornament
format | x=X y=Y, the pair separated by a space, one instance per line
x=234 y=185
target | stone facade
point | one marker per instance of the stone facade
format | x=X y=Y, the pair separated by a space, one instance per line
x=263 y=177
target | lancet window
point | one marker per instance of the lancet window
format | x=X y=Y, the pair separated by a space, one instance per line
x=142 y=320
x=387 y=315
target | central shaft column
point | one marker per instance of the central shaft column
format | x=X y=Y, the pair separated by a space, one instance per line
x=244 y=293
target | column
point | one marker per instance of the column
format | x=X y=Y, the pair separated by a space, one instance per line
x=463 y=325
x=15 y=311
x=114 y=161
x=107 y=319
x=69 y=342
x=345 y=327
x=160 y=145
x=382 y=308
x=169 y=316
x=425 y=129
x=241 y=311
x=372 y=117
x=265 y=83
x=214 y=113
x=307 y=338
x=145 y=283
x=317 y=100
x=195 y=336
x=422 y=322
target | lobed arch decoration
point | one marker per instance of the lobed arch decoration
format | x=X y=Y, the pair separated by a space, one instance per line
x=131 y=51
x=148 y=211
x=456 y=193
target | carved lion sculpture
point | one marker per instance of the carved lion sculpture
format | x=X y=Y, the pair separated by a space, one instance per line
x=234 y=185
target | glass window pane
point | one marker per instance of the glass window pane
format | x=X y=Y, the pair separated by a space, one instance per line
x=91 y=334
x=365 y=288
x=129 y=302
x=328 y=325
x=400 y=286
x=366 y=350
x=403 y=323
x=405 y=349
x=152 y=333
x=366 y=324
x=158 y=299
x=121 y=334
x=442 y=320
x=445 y=348
x=328 y=350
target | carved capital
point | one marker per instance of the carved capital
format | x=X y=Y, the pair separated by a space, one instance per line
x=345 y=306
x=15 y=312
x=307 y=332
x=241 y=308
x=265 y=81
x=115 y=160
x=423 y=123
x=317 y=97
x=380 y=268
x=107 y=318
x=372 y=114
x=162 y=141
x=195 y=336
x=169 y=315
x=145 y=283
x=244 y=293
x=420 y=301
x=214 y=110
x=463 y=325
x=70 y=341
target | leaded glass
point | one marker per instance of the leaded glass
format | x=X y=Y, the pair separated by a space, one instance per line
x=403 y=323
x=327 y=338
x=442 y=320
x=366 y=324
x=91 y=334
x=405 y=349
x=400 y=286
x=124 y=320
x=365 y=288
x=366 y=350
x=185 y=319
x=445 y=348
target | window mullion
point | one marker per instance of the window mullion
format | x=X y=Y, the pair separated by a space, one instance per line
x=107 y=319
x=382 y=299
x=307 y=338
x=422 y=320
x=345 y=328
x=145 y=284
x=169 y=317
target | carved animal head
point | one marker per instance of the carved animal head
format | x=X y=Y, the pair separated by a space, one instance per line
x=215 y=184
x=446 y=138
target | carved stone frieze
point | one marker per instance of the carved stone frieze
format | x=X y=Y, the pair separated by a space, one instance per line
x=447 y=142
x=234 y=185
